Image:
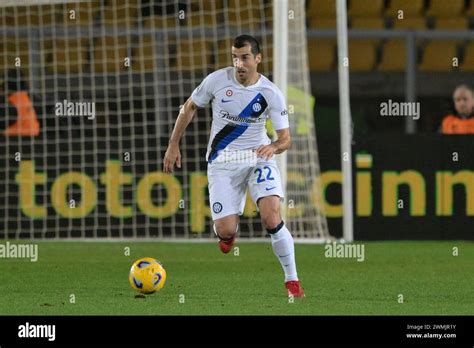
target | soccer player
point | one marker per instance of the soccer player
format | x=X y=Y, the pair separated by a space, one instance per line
x=239 y=153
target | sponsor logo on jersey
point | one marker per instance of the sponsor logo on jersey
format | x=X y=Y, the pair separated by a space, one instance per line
x=229 y=93
x=235 y=118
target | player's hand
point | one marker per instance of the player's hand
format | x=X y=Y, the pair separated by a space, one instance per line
x=172 y=157
x=266 y=151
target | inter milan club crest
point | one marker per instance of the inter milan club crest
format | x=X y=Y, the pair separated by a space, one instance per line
x=217 y=207
x=257 y=107
x=229 y=93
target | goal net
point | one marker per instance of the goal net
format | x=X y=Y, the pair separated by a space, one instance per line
x=90 y=94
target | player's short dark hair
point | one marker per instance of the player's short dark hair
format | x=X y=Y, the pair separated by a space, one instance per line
x=243 y=40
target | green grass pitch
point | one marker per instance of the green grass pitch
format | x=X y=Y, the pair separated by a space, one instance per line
x=203 y=281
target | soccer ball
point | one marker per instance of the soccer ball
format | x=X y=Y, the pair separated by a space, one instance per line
x=147 y=275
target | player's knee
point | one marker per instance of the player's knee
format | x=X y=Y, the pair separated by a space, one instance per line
x=270 y=221
x=225 y=230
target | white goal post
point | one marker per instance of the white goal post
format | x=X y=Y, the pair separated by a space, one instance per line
x=345 y=119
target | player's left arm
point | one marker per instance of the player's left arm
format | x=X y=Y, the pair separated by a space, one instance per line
x=282 y=144
x=279 y=117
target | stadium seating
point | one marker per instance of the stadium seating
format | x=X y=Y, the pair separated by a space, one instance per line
x=120 y=13
x=143 y=56
x=162 y=22
x=361 y=55
x=470 y=10
x=246 y=13
x=11 y=50
x=31 y=15
x=107 y=54
x=84 y=12
x=110 y=53
x=269 y=15
x=194 y=54
x=438 y=56
x=468 y=60
x=365 y=8
x=223 y=57
x=445 y=9
x=205 y=5
x=267 y=55
x=201 y=12
x=321 y=9
x=199 y=19
x=457 y=23
x=368 y=23
x=393 y=56
x=321 y=54
x=322 y=23
x=67 y=56
x=410 y=23
x=410 y=8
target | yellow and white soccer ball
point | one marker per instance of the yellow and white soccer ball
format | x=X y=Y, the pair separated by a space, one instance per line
x=147 y=275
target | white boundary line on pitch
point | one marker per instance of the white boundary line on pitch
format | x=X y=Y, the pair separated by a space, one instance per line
x=170 y=240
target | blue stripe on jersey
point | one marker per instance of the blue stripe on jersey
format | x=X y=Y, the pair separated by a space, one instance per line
x=232 y=131
x=255 y=108
x=225 y=136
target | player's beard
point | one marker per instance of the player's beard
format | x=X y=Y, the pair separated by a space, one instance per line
x=242 y=74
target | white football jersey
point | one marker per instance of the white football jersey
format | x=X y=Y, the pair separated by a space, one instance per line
x=238 y=112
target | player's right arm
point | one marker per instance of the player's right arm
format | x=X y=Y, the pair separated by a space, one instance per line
x=201 y=96
x=172 y=154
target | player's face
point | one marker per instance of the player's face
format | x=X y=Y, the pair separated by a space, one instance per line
x=463 y=101
x=245 y=62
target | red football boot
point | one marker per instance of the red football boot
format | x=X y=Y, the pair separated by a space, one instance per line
x=226 y=245
x=294 y=288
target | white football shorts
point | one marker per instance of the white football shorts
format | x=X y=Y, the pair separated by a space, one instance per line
x=228 y=183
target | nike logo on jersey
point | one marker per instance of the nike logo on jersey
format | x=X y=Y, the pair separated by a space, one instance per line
x=270 y=188
x=225 y=101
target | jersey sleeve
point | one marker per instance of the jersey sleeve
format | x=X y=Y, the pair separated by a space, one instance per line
x=278 y=112
x=203 y=93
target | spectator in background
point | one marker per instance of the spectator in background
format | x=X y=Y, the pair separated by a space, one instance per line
x=26 y=120
x=462 y=122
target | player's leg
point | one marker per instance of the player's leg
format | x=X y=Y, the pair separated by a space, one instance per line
x=227 y=185
x=266 y=190
x=282 y=242
x=226 y=229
